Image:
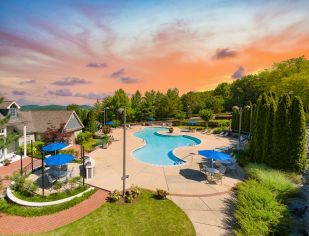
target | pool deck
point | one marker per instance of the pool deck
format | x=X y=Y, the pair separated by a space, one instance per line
x=203 y=202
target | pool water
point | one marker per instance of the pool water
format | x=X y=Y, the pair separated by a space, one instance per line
x=159 y=148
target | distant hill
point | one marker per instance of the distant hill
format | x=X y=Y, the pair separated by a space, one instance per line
x=50 y=107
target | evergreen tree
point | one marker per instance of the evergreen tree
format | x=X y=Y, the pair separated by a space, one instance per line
x=90 y=123
x=262 y=110
x=268 y=145
x=282 y=133
x=298 y=161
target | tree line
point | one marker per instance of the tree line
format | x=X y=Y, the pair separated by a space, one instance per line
x=279 y=132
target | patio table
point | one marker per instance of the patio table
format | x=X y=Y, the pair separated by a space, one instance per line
x=212 y=171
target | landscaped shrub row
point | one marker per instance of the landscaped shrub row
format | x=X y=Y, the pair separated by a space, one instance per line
x=260 y=208
x=219 y=123
x=14 y=209
x=36 y=149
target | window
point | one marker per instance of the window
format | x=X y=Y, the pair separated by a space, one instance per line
x=13 y=112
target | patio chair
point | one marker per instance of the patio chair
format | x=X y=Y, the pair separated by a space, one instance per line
x=50 y=179
x=217 y=177
x=201 y=166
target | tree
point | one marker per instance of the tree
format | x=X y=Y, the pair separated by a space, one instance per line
x=268 y=142
x=298 y=161
x=282 y=132
x=206 y=114
x=260 y=131
x=74 y=107
x=53 y=134
x=136 y=103
x=90 y=122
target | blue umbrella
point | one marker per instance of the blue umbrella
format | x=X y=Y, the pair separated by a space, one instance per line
x=109 y=123
x=59 y=159
x=151 y=119
x=192 y=122
x=214 y=155
x=54 y=147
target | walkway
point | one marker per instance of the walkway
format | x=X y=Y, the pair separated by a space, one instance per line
x=25 y=225
x=15 y=166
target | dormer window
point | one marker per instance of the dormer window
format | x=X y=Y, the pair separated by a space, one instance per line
x=13 y=112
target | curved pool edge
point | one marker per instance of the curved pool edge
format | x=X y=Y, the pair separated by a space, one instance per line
x=173 y=150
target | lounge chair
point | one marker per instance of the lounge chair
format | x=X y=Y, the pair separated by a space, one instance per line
x=50 y=179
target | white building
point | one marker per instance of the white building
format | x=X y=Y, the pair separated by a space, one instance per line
x=31 y=124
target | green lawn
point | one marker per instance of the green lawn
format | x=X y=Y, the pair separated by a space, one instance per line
x=146 y=216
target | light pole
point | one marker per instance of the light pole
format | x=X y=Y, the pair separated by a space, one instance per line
x=122 y=111
x=239 y=128
x=105 y=116
x=251 y=108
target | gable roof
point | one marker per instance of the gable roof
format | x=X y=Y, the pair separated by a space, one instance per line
x=7 y=104
x=39 y=121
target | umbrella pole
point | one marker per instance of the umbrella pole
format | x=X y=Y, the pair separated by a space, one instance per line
x=43 y=173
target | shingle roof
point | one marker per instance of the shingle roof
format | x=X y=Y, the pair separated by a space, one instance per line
x=6 y=104
x=39 y=121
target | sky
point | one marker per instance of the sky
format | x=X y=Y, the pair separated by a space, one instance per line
x=62 y=52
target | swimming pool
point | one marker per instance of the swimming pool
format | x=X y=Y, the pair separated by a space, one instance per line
x=159 y=148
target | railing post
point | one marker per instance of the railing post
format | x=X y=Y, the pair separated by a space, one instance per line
x=21 y=162
x=43 y=173
x=31 y=155
x=84 y=169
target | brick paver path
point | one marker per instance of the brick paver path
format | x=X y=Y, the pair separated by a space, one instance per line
x=23 y=225
x=8 y=170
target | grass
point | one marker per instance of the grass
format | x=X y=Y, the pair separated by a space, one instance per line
x=14 y=209
x=277 y=181
x=51 y=197
x=146 y=216
x=260 y=201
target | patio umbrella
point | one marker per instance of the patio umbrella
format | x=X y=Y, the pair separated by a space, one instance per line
x=214 y=155
x=54 y=147
x=192 y=122
x=151 y=119
x=109 y=123
x=59 y=159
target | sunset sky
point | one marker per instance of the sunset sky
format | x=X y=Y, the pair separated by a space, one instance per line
x=61 y=52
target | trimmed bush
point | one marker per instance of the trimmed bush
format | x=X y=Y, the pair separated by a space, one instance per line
x=298 y=161
x=282 y=132
x=258 y=212
x=219 y=123
x=83 y=137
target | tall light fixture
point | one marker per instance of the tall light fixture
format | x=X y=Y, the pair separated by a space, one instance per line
x=122 y=111
x=236 y=108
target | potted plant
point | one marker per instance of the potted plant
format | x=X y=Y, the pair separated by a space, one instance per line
x=105 y=141
x=171 y=129
x=6 y=162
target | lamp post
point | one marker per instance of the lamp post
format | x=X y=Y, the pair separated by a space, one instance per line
x=251 y=108
x=105 y=116
x=122 y=111
x=239 y=126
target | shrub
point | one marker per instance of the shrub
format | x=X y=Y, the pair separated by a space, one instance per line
x=23 y=185
x=219 y=130
x=88 y=146
x=161 y=194
x=116 y=123
x=136 y=191
x=128 y=197
x=243 y=156
x=68 y=151
x=106 y=129
x=257 y=211
x=219 y=123
x=206 y=114
x=274 y=180
x=83 y=137
x=115 y=196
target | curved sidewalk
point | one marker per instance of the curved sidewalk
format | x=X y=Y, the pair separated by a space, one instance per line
x=24 y=225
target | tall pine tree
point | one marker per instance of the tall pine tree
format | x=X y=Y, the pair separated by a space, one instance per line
x=282 y=132
x=261 y=127
x=298 y=160
x=268 y=144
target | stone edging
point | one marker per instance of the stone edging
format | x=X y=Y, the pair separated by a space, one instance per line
x=18 y=201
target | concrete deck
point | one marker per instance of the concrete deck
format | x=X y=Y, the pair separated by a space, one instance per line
x=206 y=204
x=183 y=179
